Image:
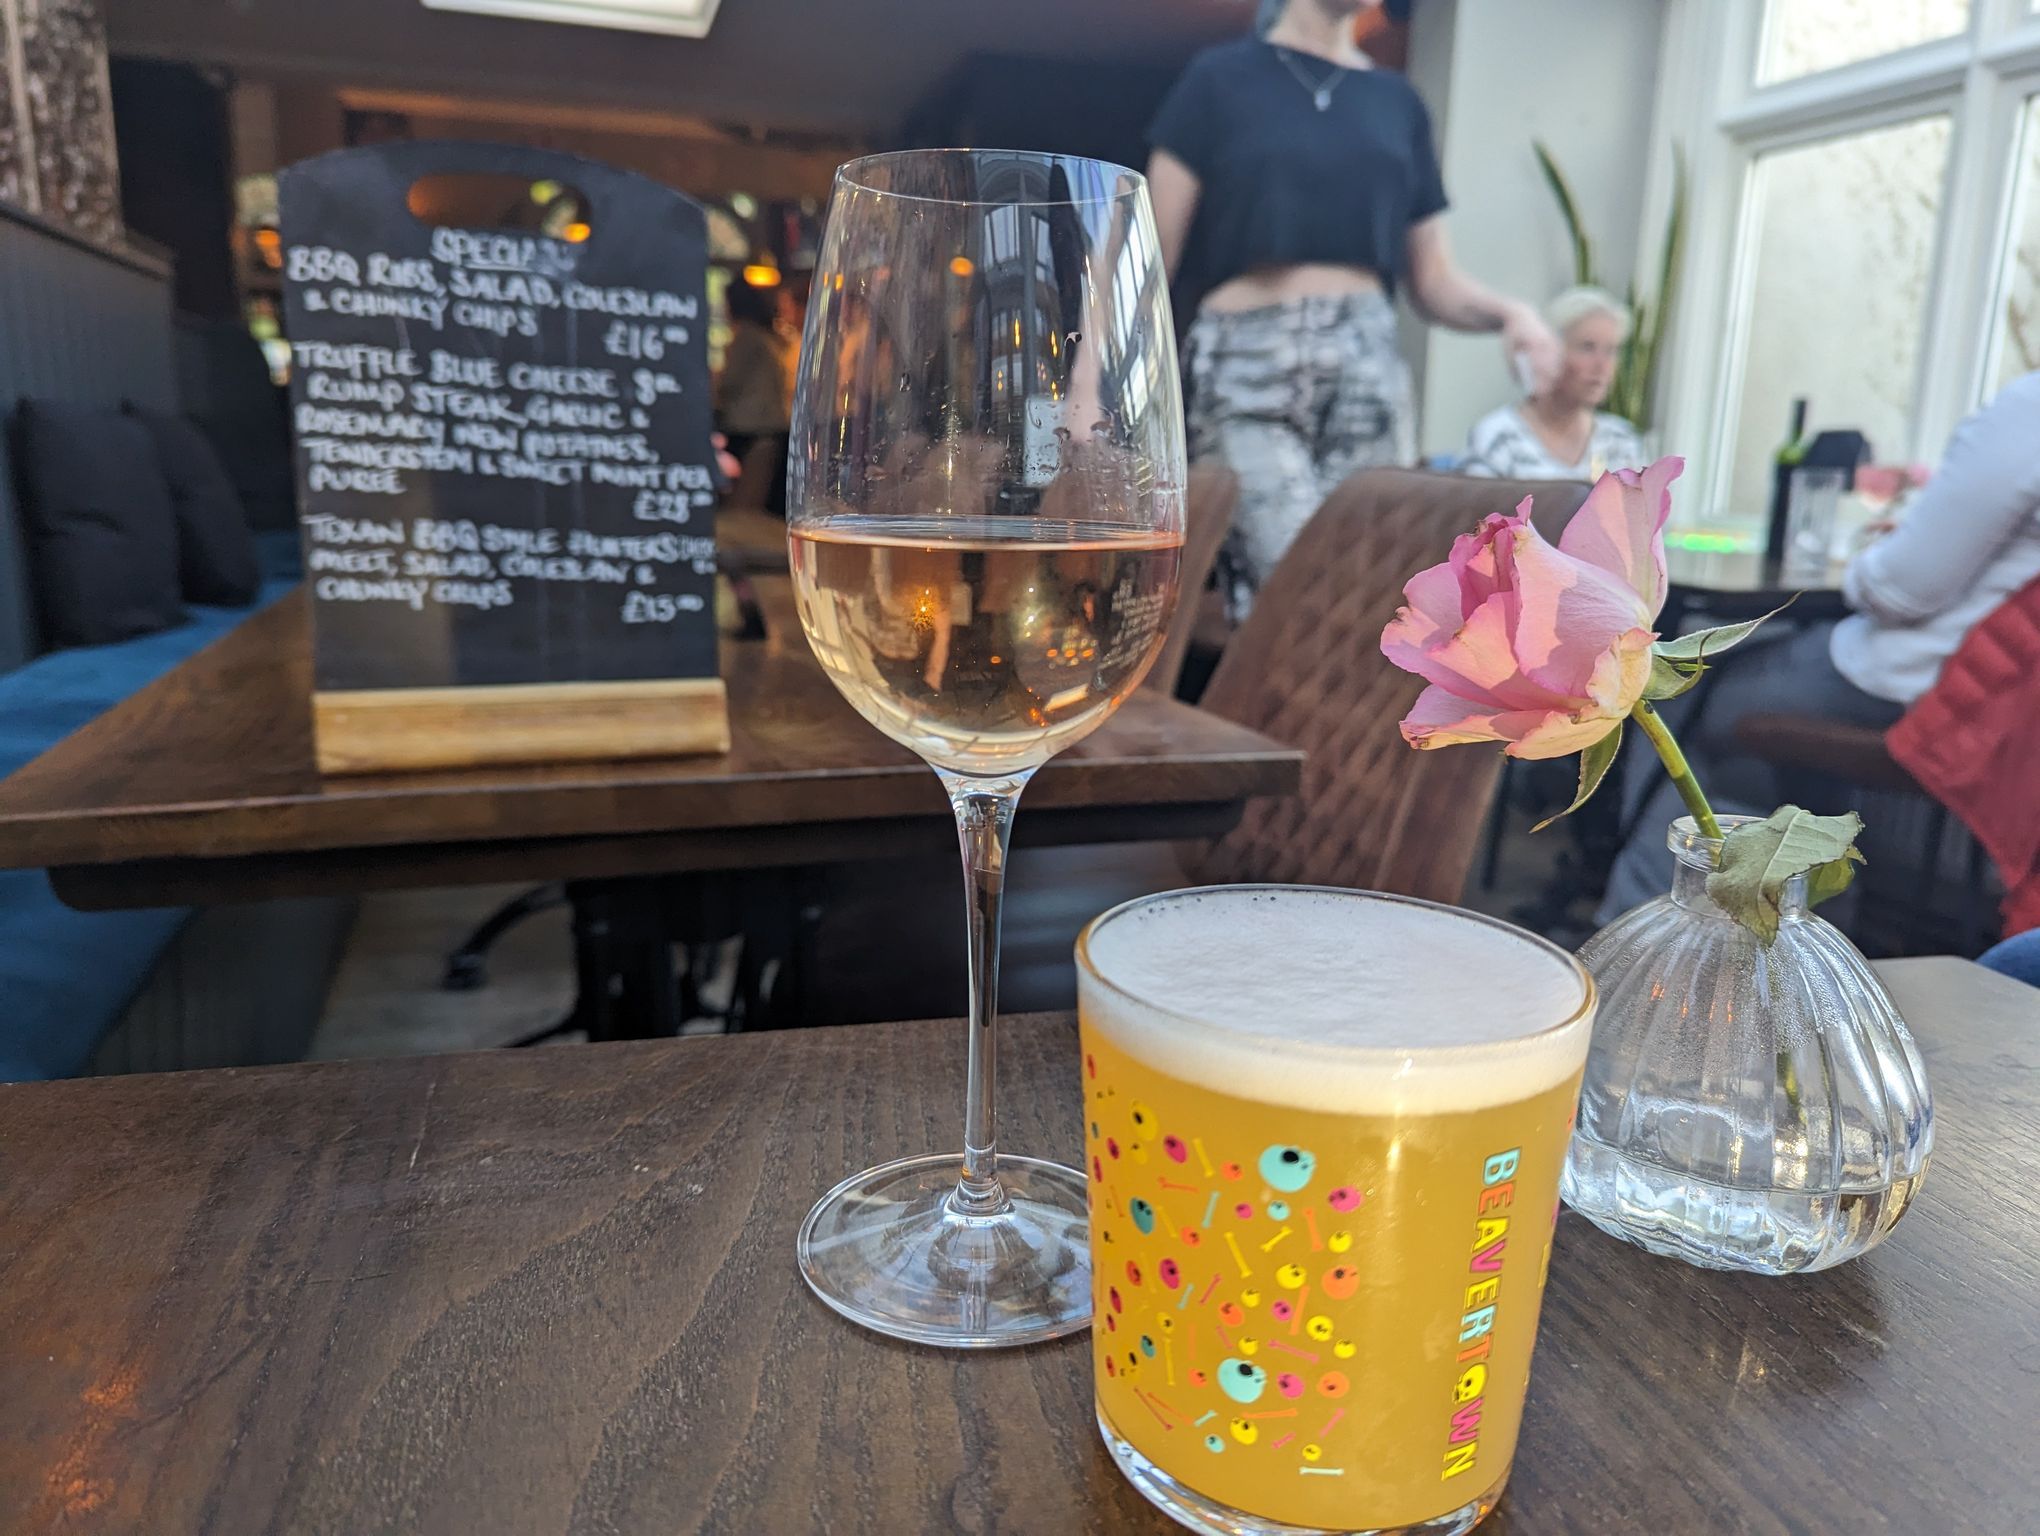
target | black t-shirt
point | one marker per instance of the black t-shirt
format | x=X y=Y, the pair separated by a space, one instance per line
x=1284 y=183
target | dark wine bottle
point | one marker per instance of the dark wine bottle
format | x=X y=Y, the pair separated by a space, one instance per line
x=1790 y=455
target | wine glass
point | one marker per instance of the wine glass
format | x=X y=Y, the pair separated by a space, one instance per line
x=985 y=524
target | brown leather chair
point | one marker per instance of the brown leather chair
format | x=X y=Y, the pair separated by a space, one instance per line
x=1214 y=493
x=1306 y=668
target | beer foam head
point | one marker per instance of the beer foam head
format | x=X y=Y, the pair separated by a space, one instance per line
x=1337 y=1000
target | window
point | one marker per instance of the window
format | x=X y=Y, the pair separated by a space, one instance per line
x=1865 y=229
x=2017 y=345
x=1804 y=37
x=1843 y=252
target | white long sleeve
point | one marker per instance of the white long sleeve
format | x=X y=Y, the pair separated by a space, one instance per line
x=1969 y=541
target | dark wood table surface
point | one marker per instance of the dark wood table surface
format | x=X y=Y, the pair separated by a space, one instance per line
x=201 y=788
x=1731 y=586
x=555 y=1292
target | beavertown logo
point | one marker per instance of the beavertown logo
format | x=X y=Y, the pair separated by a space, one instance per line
x=1477 y=1322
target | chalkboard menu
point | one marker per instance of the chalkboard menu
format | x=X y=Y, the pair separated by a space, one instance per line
x=504 y=464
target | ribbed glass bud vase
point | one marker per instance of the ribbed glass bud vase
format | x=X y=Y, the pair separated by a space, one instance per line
x=1745 y=1107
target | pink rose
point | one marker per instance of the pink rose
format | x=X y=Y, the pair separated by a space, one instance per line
x=1546 y=649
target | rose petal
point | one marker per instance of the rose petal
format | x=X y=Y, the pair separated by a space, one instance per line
x=1477 y=558
x=1568 y=615
x=1561 y=736
x=1621 y=528
x=1441 y=718
x=1621 y=675
x=1476 y=663
x=1433 y=595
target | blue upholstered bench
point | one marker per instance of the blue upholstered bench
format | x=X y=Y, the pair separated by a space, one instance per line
x=65 y=976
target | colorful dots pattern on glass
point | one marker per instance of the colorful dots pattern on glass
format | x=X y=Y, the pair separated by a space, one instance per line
x=1254 y=1240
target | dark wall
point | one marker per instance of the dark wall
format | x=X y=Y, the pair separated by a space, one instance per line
x=998 y=102
x=177 y=175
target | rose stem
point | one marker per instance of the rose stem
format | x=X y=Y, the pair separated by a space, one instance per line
x=1676 y=765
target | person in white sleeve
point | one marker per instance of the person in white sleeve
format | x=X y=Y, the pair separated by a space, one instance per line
x=1969 y=540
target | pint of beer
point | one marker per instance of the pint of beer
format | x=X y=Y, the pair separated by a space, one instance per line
x=1324 y=1134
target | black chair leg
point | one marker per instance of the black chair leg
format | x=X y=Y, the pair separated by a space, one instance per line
x=1977 y=929
x=467 y=967
x=1498 y=826
x=623 y=959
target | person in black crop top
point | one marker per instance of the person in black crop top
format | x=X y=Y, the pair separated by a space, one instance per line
x=1295 y=189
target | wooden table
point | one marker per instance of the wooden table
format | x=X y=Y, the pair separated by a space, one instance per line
x=549 y=1292
x=201 y=788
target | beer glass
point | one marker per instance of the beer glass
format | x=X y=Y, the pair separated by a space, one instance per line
x=1324 y=1131
x=986 y=527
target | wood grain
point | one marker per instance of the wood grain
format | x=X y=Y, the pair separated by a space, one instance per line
x=554 y=1291
x=214 y=762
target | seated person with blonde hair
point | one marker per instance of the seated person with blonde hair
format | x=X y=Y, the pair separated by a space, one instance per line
x=1561 y=433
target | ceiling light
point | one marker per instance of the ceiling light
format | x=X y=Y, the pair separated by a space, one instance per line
x=679 y=18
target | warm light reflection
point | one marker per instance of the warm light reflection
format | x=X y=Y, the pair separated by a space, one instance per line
x=576 y=232
x=961 y=266
x=761 y=275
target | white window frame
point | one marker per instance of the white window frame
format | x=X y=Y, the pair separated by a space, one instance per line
x=1707 y=102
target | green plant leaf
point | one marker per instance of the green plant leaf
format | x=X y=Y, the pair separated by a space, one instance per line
x=1595 y=762
x=1826 y=881
x=1634 y=394
x=1703 y=643
x=1668 y=681
x=1569 y=208
x=1758 y=860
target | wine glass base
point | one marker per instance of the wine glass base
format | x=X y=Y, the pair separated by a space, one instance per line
x=885 y=1249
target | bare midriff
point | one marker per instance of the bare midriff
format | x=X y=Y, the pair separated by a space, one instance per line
x=1263 y=286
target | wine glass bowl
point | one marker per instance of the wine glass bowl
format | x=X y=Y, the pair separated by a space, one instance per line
x=985 y=528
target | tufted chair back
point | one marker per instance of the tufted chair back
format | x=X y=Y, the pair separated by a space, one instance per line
x=1306 y=668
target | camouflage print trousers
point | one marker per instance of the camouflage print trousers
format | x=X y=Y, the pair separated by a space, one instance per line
x=1293 y=398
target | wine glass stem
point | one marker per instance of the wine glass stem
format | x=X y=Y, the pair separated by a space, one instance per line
x=984 y=829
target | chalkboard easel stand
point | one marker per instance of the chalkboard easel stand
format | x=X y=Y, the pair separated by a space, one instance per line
x=386 y=730
x=505 y=467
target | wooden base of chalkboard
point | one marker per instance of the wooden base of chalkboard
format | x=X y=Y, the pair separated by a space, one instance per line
x=389 y=730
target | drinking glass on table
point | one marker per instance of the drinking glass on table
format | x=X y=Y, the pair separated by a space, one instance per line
x=1325 y=1132
x=986 y=519
x=1813 y=504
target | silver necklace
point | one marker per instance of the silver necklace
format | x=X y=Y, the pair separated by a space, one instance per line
x=1320 y=90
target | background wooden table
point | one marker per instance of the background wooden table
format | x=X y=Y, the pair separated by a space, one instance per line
x=507 y=1294
x=202 y=788
x=1730 y=587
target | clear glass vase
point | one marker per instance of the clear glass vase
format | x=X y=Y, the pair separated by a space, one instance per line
x=1745 y=1107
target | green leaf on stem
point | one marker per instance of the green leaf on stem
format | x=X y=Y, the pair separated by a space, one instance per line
x=1758 y=860
x=1668 y=681
x=1703 y=643
x=1595 y=762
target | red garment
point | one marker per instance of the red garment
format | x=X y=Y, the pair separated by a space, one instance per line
x=1973 y=742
